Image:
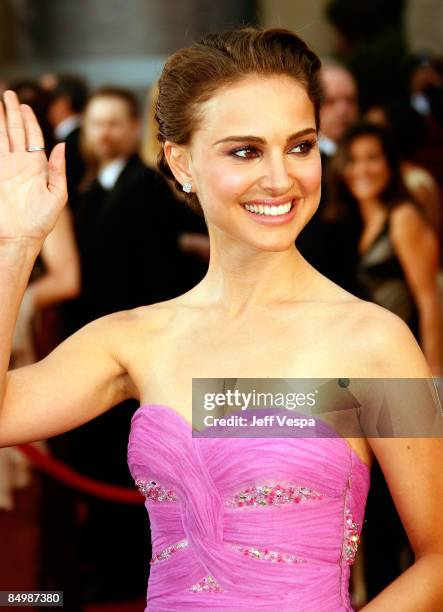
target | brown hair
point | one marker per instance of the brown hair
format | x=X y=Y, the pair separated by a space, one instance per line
x=114 y=91
x=192 y=75
x=150 y=146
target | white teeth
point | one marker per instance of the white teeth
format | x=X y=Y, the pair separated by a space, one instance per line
x=269 y=210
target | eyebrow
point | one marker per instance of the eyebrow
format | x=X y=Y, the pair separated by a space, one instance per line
x=304 y=132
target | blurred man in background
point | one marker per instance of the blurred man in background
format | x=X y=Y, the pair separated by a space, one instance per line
x=331 y=246
x=68 y=99
x=340 y=106
x=128 y=244
x=123 y=214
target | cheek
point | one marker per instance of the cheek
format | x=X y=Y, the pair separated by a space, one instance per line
x=230 y=183
x=308 y=175
x=116 y=133
x=380 y=172
x=98 y=131
x=91 y=135
x=231 y=186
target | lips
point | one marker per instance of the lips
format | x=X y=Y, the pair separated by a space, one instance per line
x=268 y=214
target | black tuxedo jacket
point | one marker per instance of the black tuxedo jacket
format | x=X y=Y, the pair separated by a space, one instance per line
x=128 y=244
x=75 y=165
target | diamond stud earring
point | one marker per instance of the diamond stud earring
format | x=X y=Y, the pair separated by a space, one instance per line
x=187 y=187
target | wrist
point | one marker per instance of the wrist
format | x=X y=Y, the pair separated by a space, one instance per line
x=19 y=253
x=21 y=245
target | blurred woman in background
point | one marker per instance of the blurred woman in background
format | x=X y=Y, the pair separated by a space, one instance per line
x=398 y=248
x=398 y=267
x=408 y=130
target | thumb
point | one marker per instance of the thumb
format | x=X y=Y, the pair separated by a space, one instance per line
x=57 y=171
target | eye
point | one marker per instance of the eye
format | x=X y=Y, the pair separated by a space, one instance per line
x=307 y=145
x=251 y=152
x=245 y=149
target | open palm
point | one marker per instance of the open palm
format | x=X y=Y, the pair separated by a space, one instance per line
x=32 y=189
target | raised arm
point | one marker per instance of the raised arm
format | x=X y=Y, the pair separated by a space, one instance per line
x=79 y=380
x=82 y=377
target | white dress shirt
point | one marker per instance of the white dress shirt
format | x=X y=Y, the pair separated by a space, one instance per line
x=65 y=127
x=108 y=175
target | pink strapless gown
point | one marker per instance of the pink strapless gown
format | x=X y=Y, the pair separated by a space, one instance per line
x=246 y=523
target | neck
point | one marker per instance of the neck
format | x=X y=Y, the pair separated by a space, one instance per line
x=242 y=279
x=371 y=207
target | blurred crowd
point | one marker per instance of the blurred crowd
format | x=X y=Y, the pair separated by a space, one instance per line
x=124 y=240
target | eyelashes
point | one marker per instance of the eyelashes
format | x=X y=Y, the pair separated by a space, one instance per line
x=307 y=144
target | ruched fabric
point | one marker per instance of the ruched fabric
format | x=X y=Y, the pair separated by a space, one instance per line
x=204 y=473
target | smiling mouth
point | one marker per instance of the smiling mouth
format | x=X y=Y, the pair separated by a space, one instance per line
x=271 y=211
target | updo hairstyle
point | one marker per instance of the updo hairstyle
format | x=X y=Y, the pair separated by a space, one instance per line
x=192 y=75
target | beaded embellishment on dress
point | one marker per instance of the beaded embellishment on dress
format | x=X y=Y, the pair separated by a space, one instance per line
x=168 y=551
x=207 y=584
x=272 y=495
x=351 y=538
x=267 y=555
x=152 y=490
x=263 y=554
x=235 y=506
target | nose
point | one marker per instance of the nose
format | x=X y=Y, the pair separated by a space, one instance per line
x=277 y=178
x=359 y=167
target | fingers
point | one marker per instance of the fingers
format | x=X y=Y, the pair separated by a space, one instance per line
x=14 y=122
x=57 y=172
x=19 y=127
x=34 y=135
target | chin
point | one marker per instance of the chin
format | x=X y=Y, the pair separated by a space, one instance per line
x=275 y=245
x=366 y=195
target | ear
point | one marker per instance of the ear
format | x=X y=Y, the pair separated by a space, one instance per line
x=178 y=159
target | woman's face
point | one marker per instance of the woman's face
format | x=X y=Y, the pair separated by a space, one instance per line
x=257 y=147
x=367 y=172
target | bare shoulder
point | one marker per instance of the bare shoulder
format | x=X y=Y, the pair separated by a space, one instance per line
x=405 y=209
x=384 y=341
x=149 y=319
x=84 y=376
x=121 y=332
x=364 y=339
x=406 y=216
x=133 y=329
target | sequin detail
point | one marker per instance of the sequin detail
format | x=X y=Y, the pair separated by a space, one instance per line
x=263 y=554
x=272 y=495
x=168 y=551
x=208 y=584
x=267 y=555
x=351 y=538
x=152 y=490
